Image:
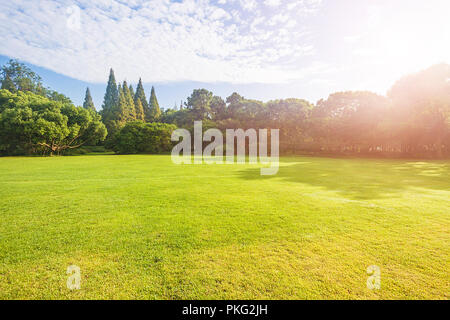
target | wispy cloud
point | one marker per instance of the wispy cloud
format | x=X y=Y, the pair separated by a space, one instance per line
x=161 y=40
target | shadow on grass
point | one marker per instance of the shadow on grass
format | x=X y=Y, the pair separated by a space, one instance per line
x=361 y=178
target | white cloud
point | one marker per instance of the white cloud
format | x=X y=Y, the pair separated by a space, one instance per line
x=159 y=40
x=272 y=3
x=352 y=39
x=248 y=4
x=279 y=18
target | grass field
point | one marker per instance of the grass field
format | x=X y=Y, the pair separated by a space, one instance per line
x=140 y=227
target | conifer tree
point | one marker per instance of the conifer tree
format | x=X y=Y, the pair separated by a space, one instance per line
x=131 y=91
x=110 y=105
x=140 y=116
x=111 y=96
x=140 y=95
x=130 y=110
x=121 y=112
x=88 y=103
x=155 y=111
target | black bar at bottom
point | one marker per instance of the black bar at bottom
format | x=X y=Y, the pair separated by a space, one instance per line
x=238 y=309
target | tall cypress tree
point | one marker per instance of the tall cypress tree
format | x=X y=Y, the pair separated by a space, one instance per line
x=131 y=91
x=140 y=95
x=155 y=111
x=121 y=112
x=88 y=103
x=130 y=111
x=139 y=109
x=140 y=116
x=111 y=97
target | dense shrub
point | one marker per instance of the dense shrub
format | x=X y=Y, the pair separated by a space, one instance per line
x=140 y=137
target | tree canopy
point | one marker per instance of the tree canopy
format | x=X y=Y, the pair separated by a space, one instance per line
x=413 y=119
x=16 y=76
x=30 y=123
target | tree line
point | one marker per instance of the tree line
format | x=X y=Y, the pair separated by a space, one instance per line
x=413 y=119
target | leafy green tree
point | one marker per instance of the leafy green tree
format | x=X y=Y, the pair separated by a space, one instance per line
x=247 y=112
x=218 y=108
x=56 y=96
x=234 y=105
x=154 y=110
x=88 y=103
x=182 y=118
x=290 y=115
x=422 y=110
x=199 y=103
x=234 y=99
x=16 y=76
x=31 y=123
x=348 y=121
x=8 y=84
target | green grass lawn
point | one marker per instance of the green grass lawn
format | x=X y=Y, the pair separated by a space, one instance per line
x=140 y=227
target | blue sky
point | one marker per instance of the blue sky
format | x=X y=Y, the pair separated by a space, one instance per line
x=263 y=49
